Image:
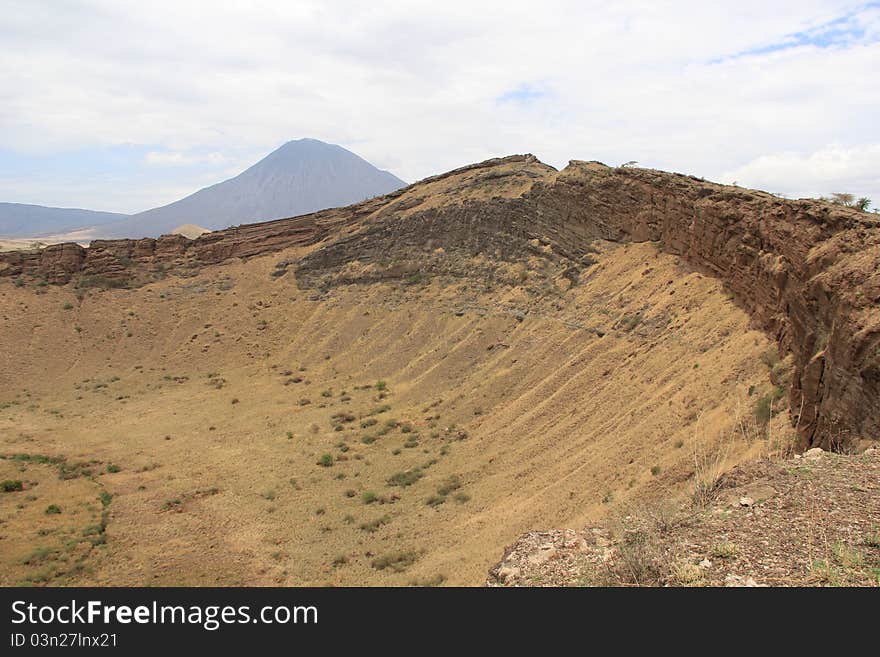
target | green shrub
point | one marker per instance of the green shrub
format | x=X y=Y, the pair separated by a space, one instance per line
x=396 y=561
x=435 y=500
x=451 y=484
x=326 y=460
x=368 y=497
x=373 y=525
x=407 y=478
x=764 y=409
x=101 y=282
x=11 y=485
x=53 y=509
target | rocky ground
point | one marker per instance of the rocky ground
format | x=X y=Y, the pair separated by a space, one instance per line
x=813 y=520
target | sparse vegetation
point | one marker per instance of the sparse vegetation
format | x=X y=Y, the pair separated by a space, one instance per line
x=407 y=478
x=374 y=525
x=396 y=561
x=724 y=550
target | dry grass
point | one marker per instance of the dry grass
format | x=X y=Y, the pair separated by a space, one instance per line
x=567 y=418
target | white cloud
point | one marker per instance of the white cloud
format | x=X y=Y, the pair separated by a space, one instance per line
x=820 y=173
x=414 y=86
x=178 y=158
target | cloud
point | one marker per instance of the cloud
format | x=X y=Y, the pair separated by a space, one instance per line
x=177 y=158
x=522 y=94
x=421 y=87
x=843 y=31
x=820 y=173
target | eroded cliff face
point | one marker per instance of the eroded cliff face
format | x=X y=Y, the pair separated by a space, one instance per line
x=807 y=272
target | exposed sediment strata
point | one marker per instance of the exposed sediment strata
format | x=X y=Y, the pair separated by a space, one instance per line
x=125 y=260
x=808 y=272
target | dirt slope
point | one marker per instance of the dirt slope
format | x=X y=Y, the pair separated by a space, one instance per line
x=386 y=393
x=807 y=521
x=512 y=406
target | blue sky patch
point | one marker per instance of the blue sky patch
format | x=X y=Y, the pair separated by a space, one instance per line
x=523 y=95
x=841 y=32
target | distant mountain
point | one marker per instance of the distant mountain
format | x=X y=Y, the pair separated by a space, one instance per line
x=302 y=176
x=22 y=220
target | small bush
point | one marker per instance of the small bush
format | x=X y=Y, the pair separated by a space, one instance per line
x=655 y=470
x=373 y=525
x=407 y=478
x=11 y=485
x=764 y=409
x=53 y=509
x=396 y=561
x=381 y=385
x=450 y=485
x=112 y=468
x=326 y=460
x=725 y=550
x=368 y=497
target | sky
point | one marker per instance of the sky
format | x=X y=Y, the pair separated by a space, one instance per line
x=125 y=105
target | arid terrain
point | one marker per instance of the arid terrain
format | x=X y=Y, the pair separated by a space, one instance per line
x=390 y=393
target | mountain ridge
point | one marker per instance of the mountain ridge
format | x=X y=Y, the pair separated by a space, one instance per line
x=16 y=219
x=300 y=177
